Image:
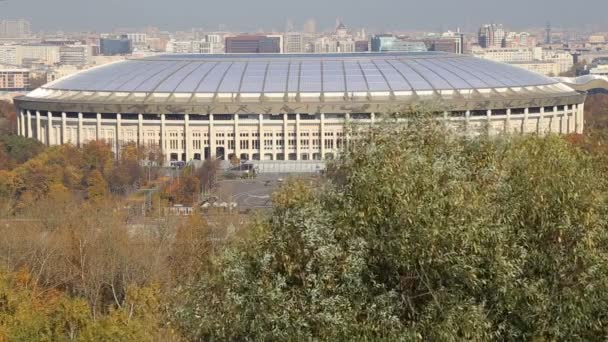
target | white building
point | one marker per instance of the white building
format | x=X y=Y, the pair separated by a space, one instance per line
x=76 y=54
x=294 y=42
x=522 y=57
x=9 y=55
x=138 y=38
x=600 y=70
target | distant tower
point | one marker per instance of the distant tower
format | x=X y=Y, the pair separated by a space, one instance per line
x=548 y=34
x=289 y=27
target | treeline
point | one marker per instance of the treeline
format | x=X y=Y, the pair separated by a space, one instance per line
x=30 y=172
x=72 y=264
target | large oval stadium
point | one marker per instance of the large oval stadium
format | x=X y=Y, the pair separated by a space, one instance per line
x=287 y=107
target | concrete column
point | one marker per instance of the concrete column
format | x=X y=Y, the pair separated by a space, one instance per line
x=187 y=138
x=541 y=122
x=163 y=140
x=23 y=125
x=38 y=127
x=63 y=128
x=261 y=135
x=80 y=131
x=19 y=122
x=373 y=118
x=489 y=120
x=29 y=124
x=285 y=136
x=211 y=137
x=467 y=122
x=140 y=130
x=237 y=137
x=524 y=127
x=298 y=144
x=49 y=128
x=98 y=127
x=572 y=119
x=508 y=121
x=322 y=134
x=347 y=128
x=553 y=118
x=562 y=121
x=580 y=115
x=118 y=132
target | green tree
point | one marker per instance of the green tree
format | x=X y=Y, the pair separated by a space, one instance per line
x=421 y=234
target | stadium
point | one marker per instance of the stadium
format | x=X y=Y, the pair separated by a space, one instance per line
x=287 y=107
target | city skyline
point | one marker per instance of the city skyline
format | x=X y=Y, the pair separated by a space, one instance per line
x=273 y=14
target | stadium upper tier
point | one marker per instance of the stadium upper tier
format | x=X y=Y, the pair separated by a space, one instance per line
x=191 y=79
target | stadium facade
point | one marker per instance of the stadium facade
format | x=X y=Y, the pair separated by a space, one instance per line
x=287 y=107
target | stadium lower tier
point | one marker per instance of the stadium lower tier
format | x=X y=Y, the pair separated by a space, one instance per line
x=265 y=136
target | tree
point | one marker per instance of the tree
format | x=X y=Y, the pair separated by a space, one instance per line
x=208 y=174
x=421 y=234
x=97 y=188
x=16 y=150
x=8 y=118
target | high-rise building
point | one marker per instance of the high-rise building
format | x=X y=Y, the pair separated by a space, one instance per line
x=15 y=28
x=253 y=44
x=391 y=43
x=294 y=42
x=310 y=26
x=115 y=46
x=491 y=36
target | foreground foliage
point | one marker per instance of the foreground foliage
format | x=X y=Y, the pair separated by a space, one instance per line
x=30 y=314
x=421 y=234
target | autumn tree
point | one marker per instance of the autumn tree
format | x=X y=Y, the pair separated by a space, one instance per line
x=97 y=187
x=421 y=234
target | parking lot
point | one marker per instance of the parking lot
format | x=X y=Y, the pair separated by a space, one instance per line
x=250 y=194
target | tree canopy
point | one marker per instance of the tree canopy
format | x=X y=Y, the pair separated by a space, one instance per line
x=422 y=234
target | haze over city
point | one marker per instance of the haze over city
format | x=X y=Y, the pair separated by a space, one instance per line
x=95 y=15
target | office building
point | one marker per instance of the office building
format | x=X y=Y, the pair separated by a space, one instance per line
x=491 y=36
x=391 y=43
x=294 y=42
x=253 y=44
x=75 y=54
x=115 y=46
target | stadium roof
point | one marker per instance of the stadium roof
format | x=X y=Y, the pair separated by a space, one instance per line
x=195 y=80
x=301 y=74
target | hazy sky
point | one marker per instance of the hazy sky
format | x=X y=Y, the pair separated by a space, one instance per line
x=272 y=14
